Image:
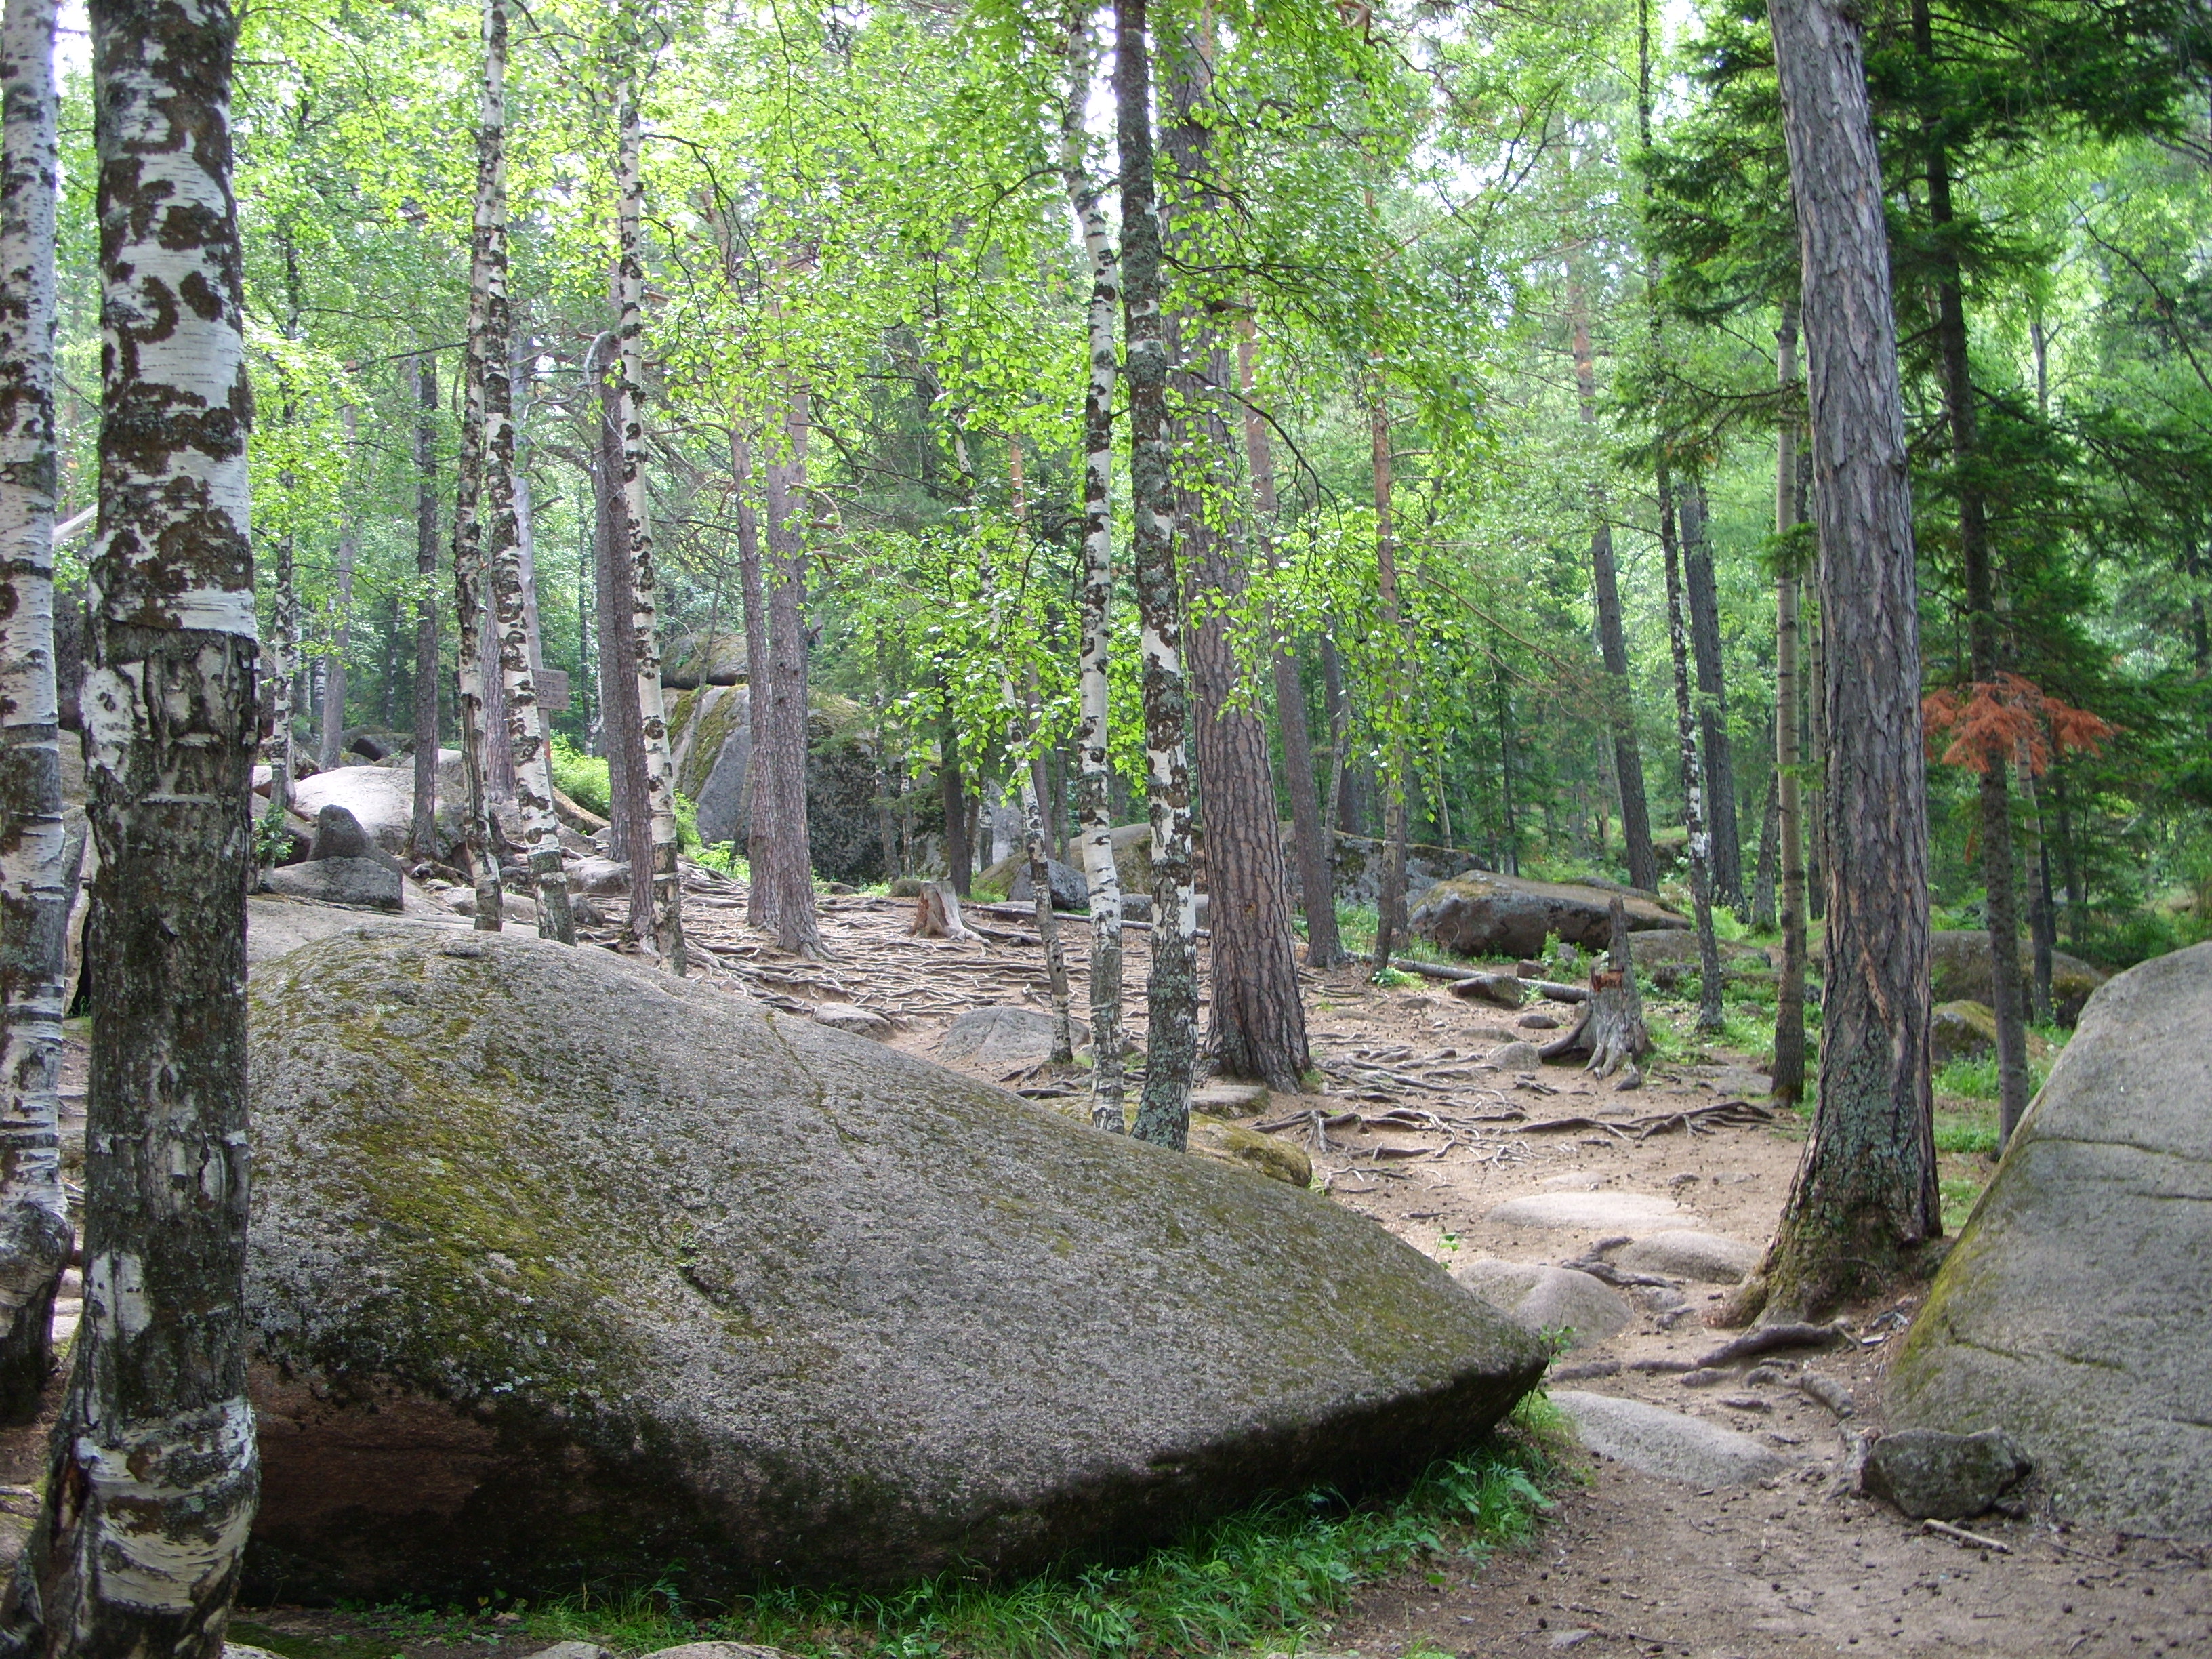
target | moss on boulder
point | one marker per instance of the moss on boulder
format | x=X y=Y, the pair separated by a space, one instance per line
x=562 y=1272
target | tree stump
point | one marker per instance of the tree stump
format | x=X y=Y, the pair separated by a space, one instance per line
x=1612 y=1026
x=936 y=914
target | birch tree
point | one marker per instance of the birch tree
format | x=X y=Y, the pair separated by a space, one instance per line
x=667 y=925
x=37 y=877
x=152 y=1476
x=1094 y=812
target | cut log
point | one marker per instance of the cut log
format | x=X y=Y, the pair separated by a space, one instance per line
x=936 y=914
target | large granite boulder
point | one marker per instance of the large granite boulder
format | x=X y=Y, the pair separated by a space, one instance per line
x=1478 y=914
x=562 y=1271
x=717 y=658
x=2072 y=1311
x=710 y=746
x=1963 y=970
x=1966 y=1030
x=381 y=798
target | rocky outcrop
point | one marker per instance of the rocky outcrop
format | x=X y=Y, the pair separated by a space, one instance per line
x=696 y=659
x=562 y=1271
x=1962 y=970
x=710 y=745
x=2071 y=1313
x=1966 y=1030
x=381 y=798
x=1478 y=913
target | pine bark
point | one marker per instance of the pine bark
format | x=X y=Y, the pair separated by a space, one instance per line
x=469 y=571
x=1864 y=1199
x=2001 y=902
x=153 y=1474
x=1171 y=995
x=1258 y=1029
x=422 y=830
x=332 y=740
x=1611 y=637
x=1317 y=882
x=1788 y=694
x=665 y=937
x=38 y=879
x=1703 y=592
x=1390 y=901
x=790 y=871
x=1094 y=806
x=2042 y=931
x=760 y=815
x=500 y=513
x=1765 y=915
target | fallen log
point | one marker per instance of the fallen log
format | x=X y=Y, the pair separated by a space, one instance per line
x=1542 y=988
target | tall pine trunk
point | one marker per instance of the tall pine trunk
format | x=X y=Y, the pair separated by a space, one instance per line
x=1984 y=645
x=1317 y=882
x=334 y=675
x=1789 y=810
x=1171 y=995
x=1390 y=901
x=38 y=878
x=1864 y=1199
x=1258 y=1028
x=760 y=816
x=2035 y=861
x=1093 y=802
x=153 y=1474
x=1612 y=636
x=665 y=934
x=469 y=567
x=499 y=512
x=422 y=830
x=790 y=871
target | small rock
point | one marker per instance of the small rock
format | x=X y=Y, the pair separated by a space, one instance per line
x=840 y=889
x=1667 y=1443
x=1571 y=1638
x=558 y=1650
x=1537 y=1023
x=1229 y=1099
x=907 y=887
x=601 y=877
x=1004 y=1039
x=1544 y=1298
x=1628 y=1081
x=1706 y=1257
x=512 y=906
x=710 y=1651
x=1928 y=1474
x=338 y=835
x=1531 y=970
x=849 y=1017
x=1514 y=1057
x=361 y=883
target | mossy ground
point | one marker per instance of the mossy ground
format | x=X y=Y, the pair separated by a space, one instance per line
x=1269 y=1576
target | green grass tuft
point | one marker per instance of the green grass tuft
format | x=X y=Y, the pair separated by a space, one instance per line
x=1269 y=1574
x=1971 y=1132
x=1959 y=1194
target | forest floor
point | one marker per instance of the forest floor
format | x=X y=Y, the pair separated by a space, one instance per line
x=1625 y=1562
x=1628 y=1563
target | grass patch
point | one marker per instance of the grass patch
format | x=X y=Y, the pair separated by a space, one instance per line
x=1971 y=1132
x=1269 y=1574
x=1975 y=1078
x=1959 y=1194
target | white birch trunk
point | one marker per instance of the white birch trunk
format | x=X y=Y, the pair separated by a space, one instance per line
x=152 y=1479
x=334 y=675
x=1093 y=805
x=629 y=328
x=37 y=878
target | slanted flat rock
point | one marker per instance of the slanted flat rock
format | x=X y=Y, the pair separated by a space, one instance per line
x=849 y=1017
x=1479 y=914
x=1515 y=1056
x=1268 y=1155
x=1003 y=1040
x=358 y=883
x=276 y=926
x=1229 y=1099
x=1549 y=1298
x=562 y=1270
x=1706 y=1257
x=1674 y=1447
x=1610 y=1211
x=2072 y=1311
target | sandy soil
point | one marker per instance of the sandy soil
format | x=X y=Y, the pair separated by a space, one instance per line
x=1798 y=1564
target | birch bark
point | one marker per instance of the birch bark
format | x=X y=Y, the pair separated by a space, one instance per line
x=1171 y=994
x=153 y=1474
x=1094 y=808
x=667 y=935
x=37 y=882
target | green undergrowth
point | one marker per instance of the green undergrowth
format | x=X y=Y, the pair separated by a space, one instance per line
x=583 y=778
x=1959 y=1194
x=1961 y=1127
x=1272 y=1575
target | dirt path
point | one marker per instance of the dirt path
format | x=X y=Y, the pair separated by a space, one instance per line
x=1795 y=1564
